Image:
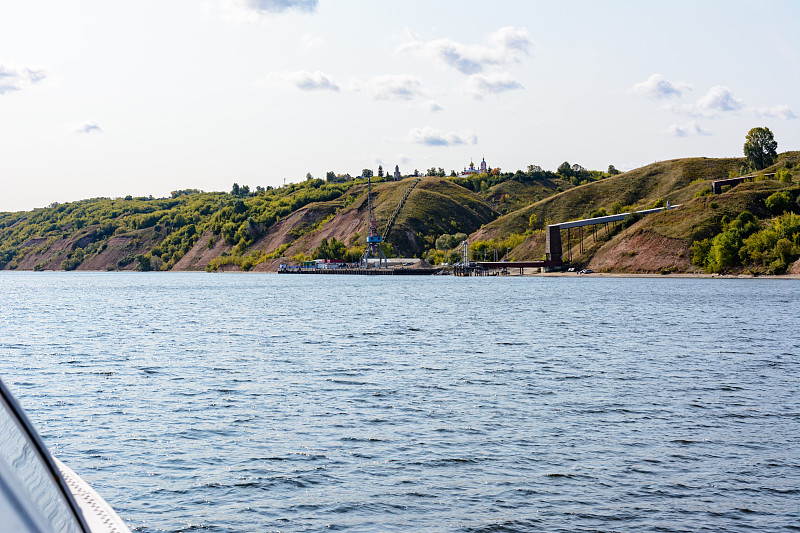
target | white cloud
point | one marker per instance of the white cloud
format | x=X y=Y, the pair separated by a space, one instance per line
x=433 y=137
x=392 y=87
x=432 y=106
x=777 y=111
x=300 y=79
x=480 y=85
x=656 y=87
x=370 y=161
x=691 y=128
x=311 y=41
x=15 y=78
x=386 y=87
x=718 y=99
x=249 y=11
x=506 y=46
x=278 y=6
x=89 y=126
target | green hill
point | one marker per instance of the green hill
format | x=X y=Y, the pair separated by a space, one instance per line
x=511 y=195
x=656 y=243
x=147 y=233
x=194 y=230
x=668 y=180
x=435 y=207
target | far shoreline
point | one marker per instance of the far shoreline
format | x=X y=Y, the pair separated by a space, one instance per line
x=632 y=275
x=657 y=275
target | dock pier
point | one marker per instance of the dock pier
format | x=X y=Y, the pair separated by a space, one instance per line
x=492 y=268
x=362 y=271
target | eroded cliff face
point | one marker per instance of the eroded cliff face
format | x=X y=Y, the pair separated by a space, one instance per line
x=285 y=231
x=115 y=253
x=643 y=252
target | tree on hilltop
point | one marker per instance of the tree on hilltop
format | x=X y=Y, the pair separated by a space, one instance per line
x=564 y=169
x=760 y=148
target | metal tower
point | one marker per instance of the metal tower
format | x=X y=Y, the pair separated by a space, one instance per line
x=465 y=253
x=373 y=250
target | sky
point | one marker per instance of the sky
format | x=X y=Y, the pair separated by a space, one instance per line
x=142 y=97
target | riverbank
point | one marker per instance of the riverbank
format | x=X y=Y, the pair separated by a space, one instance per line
x=699 y=275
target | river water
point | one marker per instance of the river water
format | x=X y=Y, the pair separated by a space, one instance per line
x=260 y=402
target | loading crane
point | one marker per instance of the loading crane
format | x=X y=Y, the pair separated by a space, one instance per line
x=373 y=250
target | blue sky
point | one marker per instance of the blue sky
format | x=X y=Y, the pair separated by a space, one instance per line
x=103 y=98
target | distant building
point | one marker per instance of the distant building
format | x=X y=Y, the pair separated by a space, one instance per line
x=484 y=169
x=397 y=176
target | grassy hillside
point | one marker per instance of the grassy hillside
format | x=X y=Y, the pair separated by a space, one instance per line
x=436 y=207
x=666 y=242
x=676 y=180
x=194 y=230
x=147 y=233
x=656 y=243
x=512 y=195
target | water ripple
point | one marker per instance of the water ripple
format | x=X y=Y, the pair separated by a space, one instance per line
x=269 y=403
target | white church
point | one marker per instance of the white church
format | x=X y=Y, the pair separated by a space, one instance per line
x=484 y=169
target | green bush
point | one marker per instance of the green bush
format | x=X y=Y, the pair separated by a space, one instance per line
x=631 y=219
x=229 y=232
x=758 y=247
x=434 y=256
x=723 y=251
x=788 y=226
x=278 y=252
x=784 y=249
x=500 y=245
x=334 y=249
x=743 y=242
x=144 y=264
x=700 y=251
x=617 y=208
x=448 y=242
x=779 y=202
x=783 y=175
x=70 y=264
